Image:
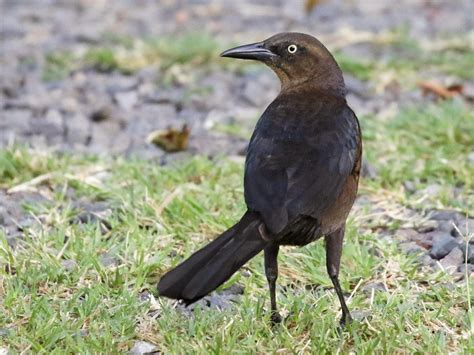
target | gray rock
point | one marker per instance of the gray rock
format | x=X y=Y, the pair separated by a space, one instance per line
x=103 y=134
x=451 y=262
x=427 y=226
x=143 y=347
x=52 y=132
x=445 y=215
x=409 y=186
x=466 y=268
x=220 y=301
x=148 y=118
x=431 y=190
x=117 y=82
x=361 y=315
x=126 y=100
x=54 y=117
x=443 y=244
x=121 y=143
x=427 y=260
x=16 y=120
x=3 y=215
x=68 y=265
x=468 y=252
x=78 y=129
x=424 y=240
x=411 y=248
x=445 y=226
x=235 y=289
x=108 y=260
x=376 y=286
x=465 y=226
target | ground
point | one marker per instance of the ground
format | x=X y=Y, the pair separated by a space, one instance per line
x=92 y=213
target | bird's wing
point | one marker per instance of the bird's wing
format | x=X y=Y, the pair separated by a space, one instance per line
x=298 y=165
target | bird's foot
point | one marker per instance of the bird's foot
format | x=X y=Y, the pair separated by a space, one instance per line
x=346 y=319
x=275 y=318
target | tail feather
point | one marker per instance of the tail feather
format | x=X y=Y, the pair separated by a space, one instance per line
x=211 y=266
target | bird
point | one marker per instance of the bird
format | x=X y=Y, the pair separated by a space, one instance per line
x=301 y=174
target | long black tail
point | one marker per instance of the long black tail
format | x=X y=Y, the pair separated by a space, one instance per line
x=211 y=266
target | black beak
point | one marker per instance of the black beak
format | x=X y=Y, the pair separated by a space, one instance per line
x=255 y=51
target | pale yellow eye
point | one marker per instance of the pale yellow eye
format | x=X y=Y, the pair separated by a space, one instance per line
x=292 y=48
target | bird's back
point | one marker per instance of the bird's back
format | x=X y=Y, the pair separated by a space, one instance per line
x=304 y=148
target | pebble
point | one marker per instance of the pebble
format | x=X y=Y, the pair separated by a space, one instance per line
x=443 y=244
x=221 y=300
x=68 y=265
x=452 y=261
x=108 y=260
x=3 y=215
x=126 y=100
x=424 y=240
x=468 y=251
x=409 y=186
x=466 y=268
x=361 y=315
x=445 y=215
x=431 y=191
x=143 y=347
x=427 y=260
x=376 y=286
x=427 y=226
x=465 y=227
x=411 y=248
x=445 y=226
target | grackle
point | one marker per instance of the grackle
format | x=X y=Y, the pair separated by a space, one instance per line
x=301 y=173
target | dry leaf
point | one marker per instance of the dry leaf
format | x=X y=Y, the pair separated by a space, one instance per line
x=310 y=4
x=440 y=90
x=171 y=139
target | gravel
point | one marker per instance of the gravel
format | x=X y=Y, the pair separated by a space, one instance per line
x=93 y=111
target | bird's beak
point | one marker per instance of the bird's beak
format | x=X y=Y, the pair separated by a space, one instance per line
x=255 y=51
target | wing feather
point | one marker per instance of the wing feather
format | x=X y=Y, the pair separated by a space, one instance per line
x=299 y=158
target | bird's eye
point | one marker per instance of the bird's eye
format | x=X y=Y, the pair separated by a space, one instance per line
x=292 y=48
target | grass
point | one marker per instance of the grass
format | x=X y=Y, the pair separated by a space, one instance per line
x=58 y=295
x=57 y=65
x=176 y=55
x=160 y=214
x=128 y=56
x=428 y=145
x=359 y=68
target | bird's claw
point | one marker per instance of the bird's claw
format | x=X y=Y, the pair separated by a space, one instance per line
x=345 y=320
x=275 y=318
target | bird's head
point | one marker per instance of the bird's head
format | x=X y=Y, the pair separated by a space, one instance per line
x=296 y=58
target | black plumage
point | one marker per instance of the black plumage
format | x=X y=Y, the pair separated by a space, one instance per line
x=301 y=172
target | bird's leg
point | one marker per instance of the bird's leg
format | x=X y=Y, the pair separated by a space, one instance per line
x=333 y=261
x=271 y=271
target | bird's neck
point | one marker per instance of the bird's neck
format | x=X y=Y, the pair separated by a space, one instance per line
x=331 y=83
